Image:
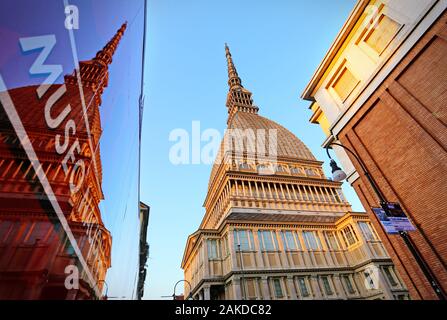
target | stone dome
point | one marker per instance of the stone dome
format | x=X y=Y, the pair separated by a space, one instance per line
x=288 y=145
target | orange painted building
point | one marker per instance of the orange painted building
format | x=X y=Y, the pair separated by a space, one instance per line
x=53 y=242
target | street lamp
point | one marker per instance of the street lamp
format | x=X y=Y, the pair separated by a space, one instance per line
x=189 y=284
x=339 y=175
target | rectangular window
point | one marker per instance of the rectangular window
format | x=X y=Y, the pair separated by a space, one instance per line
x=303 y=287
x=278 y=289
x=295 y=170
x=213 y=249
x=350 y=235
x=268 y=240
x=38 y=233
x=348 y=283
x=5 y=231
x=327 y=286
x=344 y=83
x=331 y=240
x=340 y=195
x=244 y=238
x=366 y=231
x=244 y=165
x=290 y=240
x=227 y=252
x=251 y=288
x=390 y=276
x=311 y=240
x=336 y=195
x=382 y=33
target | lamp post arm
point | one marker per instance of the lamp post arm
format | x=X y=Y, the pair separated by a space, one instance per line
x=365 y=171
x=183 y=280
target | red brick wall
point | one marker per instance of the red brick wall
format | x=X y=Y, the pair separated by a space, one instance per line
x=400 y=133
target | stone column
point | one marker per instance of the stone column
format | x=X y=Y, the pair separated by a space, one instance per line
x=315 y=287
x=265 y=288
x=359 y=284
x=384 y=285
x=291 y=288
x=236 y=287
x=206 y=262
x=283 y=259
x=206 y=292
x=326 y=250
x=231 y=248
x=259 y=258
x=339 y=287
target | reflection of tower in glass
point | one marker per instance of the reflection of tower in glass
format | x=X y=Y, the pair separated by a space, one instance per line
x=36 y=254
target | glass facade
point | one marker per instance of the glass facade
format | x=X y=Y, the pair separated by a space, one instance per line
x=69 y=149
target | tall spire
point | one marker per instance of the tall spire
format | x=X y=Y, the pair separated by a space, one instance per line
x=105 y=55
x=95 y=73
x=238 y=98
x=233 y=78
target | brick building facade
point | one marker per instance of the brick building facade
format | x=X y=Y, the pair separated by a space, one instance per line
x=381 y=92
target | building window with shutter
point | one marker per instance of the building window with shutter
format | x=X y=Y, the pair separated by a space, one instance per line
x=381 y=35
x=350 y=236
x=303 y=287
x=290 y=240
x=327 y=286
x=244 y=238
x=367 y=232
x=348 y=284
x=268 y=240
x=390 y=276
x=213 y=249
x=311 y=240
x=278 y=289
x=343 y=83
x=331 y=240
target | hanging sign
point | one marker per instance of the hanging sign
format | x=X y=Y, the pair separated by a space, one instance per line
x=393 y=218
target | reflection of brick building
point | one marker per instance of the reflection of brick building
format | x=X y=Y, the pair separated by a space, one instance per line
x=34 y=247
x=381 y=91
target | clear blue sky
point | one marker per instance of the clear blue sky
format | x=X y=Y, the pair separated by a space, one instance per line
x=276 y=46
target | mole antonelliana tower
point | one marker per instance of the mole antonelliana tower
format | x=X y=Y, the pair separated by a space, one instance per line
x=275 y=227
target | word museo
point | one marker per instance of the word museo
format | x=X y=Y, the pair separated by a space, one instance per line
x=47 y=43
